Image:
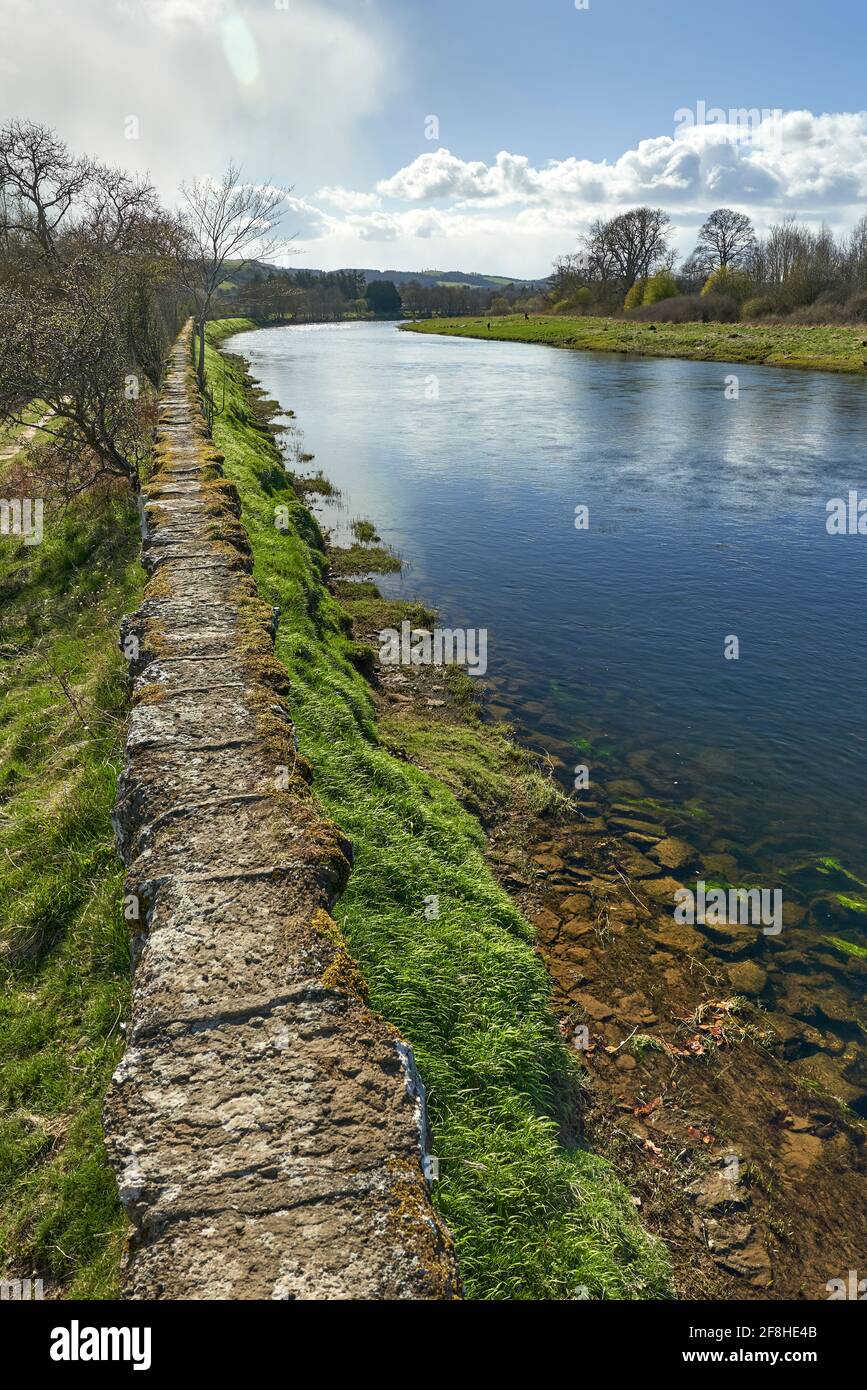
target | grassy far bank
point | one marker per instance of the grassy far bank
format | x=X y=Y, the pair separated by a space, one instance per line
x=64 y=955
x=831 y=348
x=531 y=1219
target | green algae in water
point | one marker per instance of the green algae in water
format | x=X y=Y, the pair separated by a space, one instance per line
x=824 y=875
x=848 y=948
x=858 y=904
x=666 y=808
x=595 y=750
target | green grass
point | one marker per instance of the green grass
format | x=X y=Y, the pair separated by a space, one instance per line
x=64 y=956
x=365 y=532
x=833 y=349
x=365 y=559
x=532 y=1218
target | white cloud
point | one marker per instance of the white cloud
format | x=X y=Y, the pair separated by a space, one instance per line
x=346 y=200
x=388 y=226
x=284 y=91
x=800 y=159
x=173 y=13
x=306 y=222
x=514 y=217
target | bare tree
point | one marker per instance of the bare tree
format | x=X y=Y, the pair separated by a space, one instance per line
x=87 y=307
x=782 y=249
x=629 y=247
x=694 y=271
x=40 y=183
x=225 y=221
x=855 y=255
x=726 y=239
x=67 y=348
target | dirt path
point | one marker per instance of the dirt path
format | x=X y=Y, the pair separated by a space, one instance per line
x=23 y=438
x=266 y=1128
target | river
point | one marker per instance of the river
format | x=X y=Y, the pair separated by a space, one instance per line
x=606 y=645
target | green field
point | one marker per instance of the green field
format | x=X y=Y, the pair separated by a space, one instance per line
x=828 y=349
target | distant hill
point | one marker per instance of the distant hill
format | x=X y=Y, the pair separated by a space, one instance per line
x=424 y=277
x=450 y=277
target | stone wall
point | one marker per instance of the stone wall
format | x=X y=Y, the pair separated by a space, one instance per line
x=267 y=1128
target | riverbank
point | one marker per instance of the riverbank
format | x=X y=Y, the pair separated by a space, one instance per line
x=827 y=349
x=446 y=955
x=715 y=1061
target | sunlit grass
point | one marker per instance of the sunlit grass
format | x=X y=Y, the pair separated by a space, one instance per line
x=64 y=956
x=825 y=348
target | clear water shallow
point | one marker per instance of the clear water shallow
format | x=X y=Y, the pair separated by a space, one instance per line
x=707 y=518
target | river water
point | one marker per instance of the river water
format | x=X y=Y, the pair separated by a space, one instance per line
x=606 y=645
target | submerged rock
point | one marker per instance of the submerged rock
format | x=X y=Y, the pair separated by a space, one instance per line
x=674 y=854
x=747 y=977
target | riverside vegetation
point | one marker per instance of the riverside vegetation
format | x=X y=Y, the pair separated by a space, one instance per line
x=534 y=1215
x=702 y=1045
x=64 y=958
x=832 y=348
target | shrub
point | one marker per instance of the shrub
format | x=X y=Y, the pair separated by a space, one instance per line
x=579 y=302
x=635 y=295
x=736 y=284
x=822 y=312
x=856 y=307
x=688 y=308
x=660 y=286
x=757 y=307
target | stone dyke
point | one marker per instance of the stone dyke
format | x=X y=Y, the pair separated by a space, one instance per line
x=267 y=1129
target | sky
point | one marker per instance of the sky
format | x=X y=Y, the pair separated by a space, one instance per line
x=476 y=135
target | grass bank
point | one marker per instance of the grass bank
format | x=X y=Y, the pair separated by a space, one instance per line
x=64 y=955
x=827 y=349
x=532 y=1217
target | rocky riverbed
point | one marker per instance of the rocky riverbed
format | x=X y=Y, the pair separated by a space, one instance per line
x=725 y=1065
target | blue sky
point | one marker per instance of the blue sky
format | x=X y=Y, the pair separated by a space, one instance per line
x=548 y=115
x=545 y=79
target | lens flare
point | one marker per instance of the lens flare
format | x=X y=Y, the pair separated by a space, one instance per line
x=240 y=49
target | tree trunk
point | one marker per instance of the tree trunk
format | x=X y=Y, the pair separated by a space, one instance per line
x=200 y=371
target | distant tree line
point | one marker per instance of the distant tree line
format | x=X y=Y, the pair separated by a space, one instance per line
x=273 y=295
x=455 y=300
x=304 y=296
x=626 y=263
